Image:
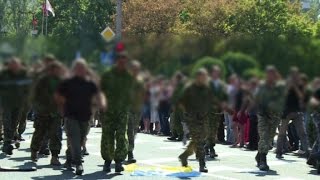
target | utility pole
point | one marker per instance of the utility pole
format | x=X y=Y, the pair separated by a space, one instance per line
x=119 y=20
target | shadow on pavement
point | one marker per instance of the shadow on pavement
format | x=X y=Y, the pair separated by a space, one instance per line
x=288 y=161
x=314 y=172
x=263 y=173
x=2 y=156
x=26 y=150
x=20 y=159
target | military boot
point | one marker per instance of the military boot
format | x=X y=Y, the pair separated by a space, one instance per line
x=17 y=144
x=184 y=160
x=34 y=156
x=202 y=165
x=172 y=138
x=7 y=148
x=279 y=156
x=258 y=159
x=118 y=167
x=84 y=151
x=312 y=160
x=263 y=162
x=55 y=161
x=44 y=151
x=131 y=159
x=107 y=166
x=213 y=153
x=180 y=138
x=79 y=170
x=68 y=165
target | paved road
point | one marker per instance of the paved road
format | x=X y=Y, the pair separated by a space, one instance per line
x=154 y=151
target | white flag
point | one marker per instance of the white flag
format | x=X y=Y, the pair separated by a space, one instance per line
x=49 y=8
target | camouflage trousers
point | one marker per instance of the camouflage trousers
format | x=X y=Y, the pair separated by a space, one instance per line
x=114 y=132
x=267 y=126
x=176 y=119
x=198 y=128
x=316 y=145
x=46 y=126
x=212 y=130
x=11 y=123
x=297 y=119
x=1 y=122
x=133 y=126
x=76 y=132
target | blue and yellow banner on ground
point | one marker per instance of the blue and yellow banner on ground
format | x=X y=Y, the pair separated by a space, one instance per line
x=178 y=172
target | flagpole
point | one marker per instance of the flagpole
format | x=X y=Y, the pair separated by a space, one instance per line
x=47 y=25
x=119 y=20
x=43 y=11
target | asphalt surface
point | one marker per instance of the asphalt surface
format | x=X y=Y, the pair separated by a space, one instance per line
x=157 y=154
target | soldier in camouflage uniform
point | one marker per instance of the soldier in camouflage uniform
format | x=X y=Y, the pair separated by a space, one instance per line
x=270 y=101
x=47 y=119
x=198 y=103
x=14 y=85
x=136 y=108
x=219 y=92
x=176 y=116
x=117 y=84
x=314 y=159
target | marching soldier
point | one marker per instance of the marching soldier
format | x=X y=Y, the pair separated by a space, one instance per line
x=15 y=84
x=47 y=119
x=117 y=83
x=219 y=91
x=270 y=103
x=198 y=105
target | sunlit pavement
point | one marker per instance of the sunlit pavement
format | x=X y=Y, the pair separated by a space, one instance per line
x=154 y=151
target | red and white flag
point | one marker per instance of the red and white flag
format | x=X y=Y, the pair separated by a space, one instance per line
x=48 y=8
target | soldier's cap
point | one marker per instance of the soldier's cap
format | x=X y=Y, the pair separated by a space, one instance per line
x=54 y=64
x=271 y=68
x=122 y=54
x=202 y=71
x=294 y=69
x=135 y=64
x=13 y=59
x=49 y=57
x=216 y=68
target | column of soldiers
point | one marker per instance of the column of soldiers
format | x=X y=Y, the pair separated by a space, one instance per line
x=200 y=104
x=53 y=100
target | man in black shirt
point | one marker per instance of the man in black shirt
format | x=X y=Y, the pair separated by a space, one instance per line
x=293 y=111
x=75 y=97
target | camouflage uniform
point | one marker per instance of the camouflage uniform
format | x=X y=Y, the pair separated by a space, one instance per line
x=270 y=101
x=314 y=158
x=47 y=120
x=117 y=85
x=14 y=92
x=137 y=94
x=198 y=102
x=220 y=94
x=1 y=122
x=176 y=116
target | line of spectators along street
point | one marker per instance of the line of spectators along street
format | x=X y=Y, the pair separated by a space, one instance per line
x=240 y=113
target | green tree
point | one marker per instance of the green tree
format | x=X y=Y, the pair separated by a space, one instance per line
x=238 y=63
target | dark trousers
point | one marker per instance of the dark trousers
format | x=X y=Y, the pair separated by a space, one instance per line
x=221 y=135
x=76 y=131
x=164 y=113
x=293 y=136
x=253 y=132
